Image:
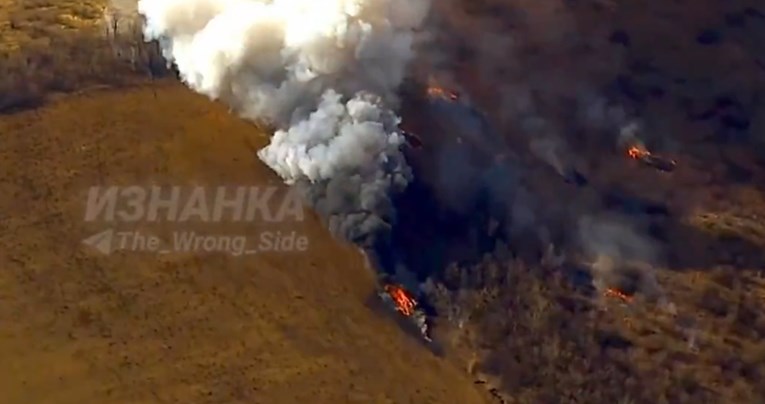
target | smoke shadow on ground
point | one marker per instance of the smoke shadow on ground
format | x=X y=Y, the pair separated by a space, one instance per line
x=685 y=245
x=692 y=249
x=430 y=236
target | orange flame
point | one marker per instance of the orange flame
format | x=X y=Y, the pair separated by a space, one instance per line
x=637 y=152
x=405 y=303
x=616 y=293
x=436 y=91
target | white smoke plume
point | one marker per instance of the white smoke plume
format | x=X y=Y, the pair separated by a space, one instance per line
x=323 y=73
x=620 y=256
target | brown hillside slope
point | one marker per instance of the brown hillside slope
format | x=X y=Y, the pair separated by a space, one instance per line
x=80 y=327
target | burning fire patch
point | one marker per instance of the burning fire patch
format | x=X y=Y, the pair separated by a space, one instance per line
x=618 y=294
x=434 y=90
x=646 y=157
x=636 y=152
x=405 y=303
x=439 y=92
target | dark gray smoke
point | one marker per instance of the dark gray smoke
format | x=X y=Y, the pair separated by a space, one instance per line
x=549 y=88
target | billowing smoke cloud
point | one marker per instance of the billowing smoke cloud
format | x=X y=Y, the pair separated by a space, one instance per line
x=323 y=73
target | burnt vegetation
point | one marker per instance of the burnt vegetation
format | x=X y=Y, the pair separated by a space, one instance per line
x=534 y=338
x=522 y=310
x=524 y=313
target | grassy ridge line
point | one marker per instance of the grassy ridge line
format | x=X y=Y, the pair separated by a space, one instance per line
x=54 y=58
x=28 y=21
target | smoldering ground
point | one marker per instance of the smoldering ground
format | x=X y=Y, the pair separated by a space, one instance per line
x=511 y=161
x=466 y=199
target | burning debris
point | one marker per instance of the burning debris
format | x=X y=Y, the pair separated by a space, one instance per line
x=636 y=150
x=403 y=300
x=622 y=260
x=642 y=155
x=439 y=92
x=618 y=294
x=436 y=91
x=405 y=303
x=454 y=119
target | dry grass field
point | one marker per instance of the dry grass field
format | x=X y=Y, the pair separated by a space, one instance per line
x=140 y=328
x=36 y=21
